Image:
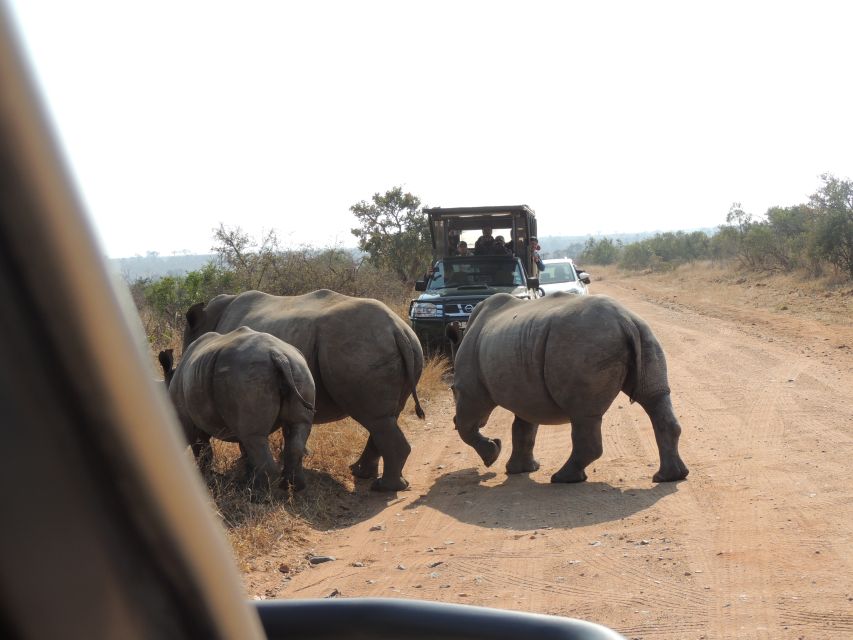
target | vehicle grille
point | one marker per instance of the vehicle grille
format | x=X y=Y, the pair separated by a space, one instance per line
x=459 y=309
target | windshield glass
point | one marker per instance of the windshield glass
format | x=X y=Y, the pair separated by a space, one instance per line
x=559 y=272
x=490 y=273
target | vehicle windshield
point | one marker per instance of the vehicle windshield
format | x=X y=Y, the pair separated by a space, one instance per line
x=489 y=273
x=559 y=272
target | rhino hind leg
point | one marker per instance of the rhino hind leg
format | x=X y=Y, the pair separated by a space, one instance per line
x=586 y=448
x=394 y=449
x=262 y=467
x=521 y=459
x=667 y=432
x=367 y=466
x=292 y=454
x=202 y=450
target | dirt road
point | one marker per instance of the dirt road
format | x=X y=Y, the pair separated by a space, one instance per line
x=756 y=543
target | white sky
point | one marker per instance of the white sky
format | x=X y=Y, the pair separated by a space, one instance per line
x=602 y=116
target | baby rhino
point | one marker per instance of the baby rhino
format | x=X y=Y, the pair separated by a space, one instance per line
x=240 y=387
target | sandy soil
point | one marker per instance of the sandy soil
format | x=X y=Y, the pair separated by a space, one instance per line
x=756 y=543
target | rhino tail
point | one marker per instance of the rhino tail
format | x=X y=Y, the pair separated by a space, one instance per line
x=282 y=363
x=635 y=378
x=167 y=360
x=404 y=346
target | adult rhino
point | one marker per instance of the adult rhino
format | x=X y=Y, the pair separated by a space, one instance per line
x=240 y=387
x=561 y=358
x=365 y=360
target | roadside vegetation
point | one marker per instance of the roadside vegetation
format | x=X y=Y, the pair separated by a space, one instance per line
x=815 y=238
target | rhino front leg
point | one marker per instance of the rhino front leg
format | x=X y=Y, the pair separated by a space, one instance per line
x=394 y=449
x=472 y=413
x=367 y=466
x=292 y=454
x=521 y=459
x=586 y=448
x=667 y=432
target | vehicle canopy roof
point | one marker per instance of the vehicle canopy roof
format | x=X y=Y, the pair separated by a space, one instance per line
x=519 y=218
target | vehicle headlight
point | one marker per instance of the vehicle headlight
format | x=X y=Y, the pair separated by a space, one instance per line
x=427 y=310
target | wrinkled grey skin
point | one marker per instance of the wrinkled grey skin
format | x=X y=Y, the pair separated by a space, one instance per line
x=240 y=387
x=561 y=358
x=365 y=360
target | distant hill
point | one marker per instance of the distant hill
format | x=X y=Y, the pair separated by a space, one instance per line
x=156 y=266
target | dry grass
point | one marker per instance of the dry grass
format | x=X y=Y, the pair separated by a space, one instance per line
x=284 y=521
x=435 y=377
x=827 y=299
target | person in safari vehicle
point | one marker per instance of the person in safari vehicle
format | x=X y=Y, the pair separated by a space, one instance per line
x=484 y=244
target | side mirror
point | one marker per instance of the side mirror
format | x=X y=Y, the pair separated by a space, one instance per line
x=420 y=285
x=583 y=276
x=532 y=283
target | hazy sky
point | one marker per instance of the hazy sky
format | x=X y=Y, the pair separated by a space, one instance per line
x=601 y=116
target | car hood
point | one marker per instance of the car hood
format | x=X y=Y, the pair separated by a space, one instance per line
x=569 y=287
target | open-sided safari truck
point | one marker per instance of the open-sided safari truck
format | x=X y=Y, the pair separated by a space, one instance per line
x=455 y=283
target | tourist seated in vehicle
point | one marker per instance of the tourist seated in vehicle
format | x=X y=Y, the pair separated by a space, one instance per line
x=462 y=249
x=453 y=242
x=483 y=246
x=499 y=247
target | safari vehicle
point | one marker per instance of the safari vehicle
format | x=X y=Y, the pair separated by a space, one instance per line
x=456 y=283
x=107 y=532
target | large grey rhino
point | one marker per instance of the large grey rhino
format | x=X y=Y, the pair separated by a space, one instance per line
x=240 y=387
x=365 y=360
x=561 y=358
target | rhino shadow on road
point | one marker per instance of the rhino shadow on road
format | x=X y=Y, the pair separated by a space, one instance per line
x=521 y=502
x=324 y=504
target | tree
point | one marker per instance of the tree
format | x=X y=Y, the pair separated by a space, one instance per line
x=833 y=206
x=791 y=227
x=250 y=261
x=603 y=251
x=394 y=231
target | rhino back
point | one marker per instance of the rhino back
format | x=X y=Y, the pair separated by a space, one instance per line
x=227 y=383
x=192 y=385
x=550 y=358
x=349 y=344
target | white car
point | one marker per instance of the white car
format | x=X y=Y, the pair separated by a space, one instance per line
x=561 y=274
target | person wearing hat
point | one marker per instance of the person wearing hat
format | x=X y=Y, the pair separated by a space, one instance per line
x=499 y=248
x=534 y=246
x=483 y=246
x=453 y=243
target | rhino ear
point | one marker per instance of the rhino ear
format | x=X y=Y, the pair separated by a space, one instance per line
x=195 y=314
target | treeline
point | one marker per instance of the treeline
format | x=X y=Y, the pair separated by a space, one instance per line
x=393 y=239
x=242 y=263
x=814 y=237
